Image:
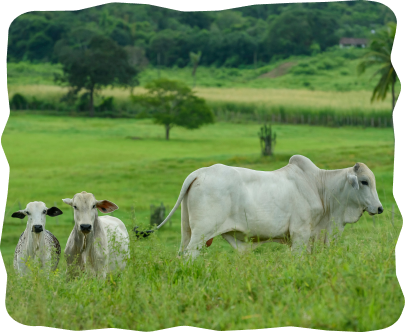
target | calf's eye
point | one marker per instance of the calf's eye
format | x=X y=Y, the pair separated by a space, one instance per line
x=74 y=207
x=364 y=183
x=44 y=212
x=94 y=206
x=28 y=213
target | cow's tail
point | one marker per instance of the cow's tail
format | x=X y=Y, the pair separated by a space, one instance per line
x=186 y=185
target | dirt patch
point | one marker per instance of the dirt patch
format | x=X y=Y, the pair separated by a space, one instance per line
x=278 y=71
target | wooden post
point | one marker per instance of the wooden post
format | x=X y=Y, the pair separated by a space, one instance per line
x=393 y=215
x=56 y=218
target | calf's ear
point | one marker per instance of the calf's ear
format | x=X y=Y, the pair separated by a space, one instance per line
x=19 y=214
x=106 y=206
x=68 y=201
x=54 y=211
x=353 y=181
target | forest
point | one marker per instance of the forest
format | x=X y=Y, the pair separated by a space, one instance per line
x=246 y=37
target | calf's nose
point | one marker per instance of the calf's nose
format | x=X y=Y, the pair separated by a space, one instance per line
x=38 y=228
x=380 y=210
x=85 y=228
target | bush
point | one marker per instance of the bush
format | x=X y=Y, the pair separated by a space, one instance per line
x=303 y=68
x=106 y=105
x=18 y=102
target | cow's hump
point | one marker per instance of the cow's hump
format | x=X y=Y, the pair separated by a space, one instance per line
x=304 y=163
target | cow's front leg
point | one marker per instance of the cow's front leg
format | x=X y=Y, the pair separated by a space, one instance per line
x=301 y=240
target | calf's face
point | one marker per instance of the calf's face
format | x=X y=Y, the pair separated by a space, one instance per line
x=85 y=208
x=36 y=212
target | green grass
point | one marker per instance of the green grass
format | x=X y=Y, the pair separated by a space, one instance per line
x=349 y=286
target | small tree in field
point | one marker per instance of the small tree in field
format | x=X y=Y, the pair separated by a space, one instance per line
x=267 y=140
x=94 y=64
x=174 y=103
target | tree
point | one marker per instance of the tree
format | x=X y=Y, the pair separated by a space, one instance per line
x=174 y=103
x=93 y=65
x=195 y=59
x=380 y=55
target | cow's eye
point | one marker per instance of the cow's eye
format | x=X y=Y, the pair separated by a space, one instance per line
x=74 y=207
x=44 y=212
x=94 y=206
x=364 y=183
x=28 y=213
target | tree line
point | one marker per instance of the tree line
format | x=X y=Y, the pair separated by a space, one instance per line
x=247 y=36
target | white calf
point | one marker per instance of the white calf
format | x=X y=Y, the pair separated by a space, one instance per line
x=35 y=241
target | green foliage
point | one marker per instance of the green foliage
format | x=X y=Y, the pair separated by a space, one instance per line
x=18 y=102
x=235 y=37
x=380 y=55
x=174 y=103
x=100 y=63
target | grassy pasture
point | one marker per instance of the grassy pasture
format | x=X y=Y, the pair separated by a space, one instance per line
x=349 y=286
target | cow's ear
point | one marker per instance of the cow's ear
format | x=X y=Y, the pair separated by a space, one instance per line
x=54 y=211
x=106 y=206
x=356 y=167
x=19 y=214
x=68 y=201
x=353 y=181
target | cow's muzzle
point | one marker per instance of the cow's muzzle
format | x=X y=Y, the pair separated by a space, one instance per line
x=37 y=228
x=380 y=209
x=85 y=228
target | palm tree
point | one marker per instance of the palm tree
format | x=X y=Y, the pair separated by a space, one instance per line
x=380 y=55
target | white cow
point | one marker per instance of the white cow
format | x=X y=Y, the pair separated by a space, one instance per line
x=96 y=244
x=36 y=242
x=249 y=207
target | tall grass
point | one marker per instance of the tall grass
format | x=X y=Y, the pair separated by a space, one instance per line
x=350 y=285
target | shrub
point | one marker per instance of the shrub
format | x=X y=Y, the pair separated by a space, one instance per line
x=18 y=102
x=106 y=105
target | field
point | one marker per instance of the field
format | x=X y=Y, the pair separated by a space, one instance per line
x=350 y=285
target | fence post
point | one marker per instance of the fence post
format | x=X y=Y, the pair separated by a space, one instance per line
x=56 y=217
x=393 y=215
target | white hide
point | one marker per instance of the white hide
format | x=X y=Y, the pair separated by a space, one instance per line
x=42 y=246
x=106 y=247
x=249 y=207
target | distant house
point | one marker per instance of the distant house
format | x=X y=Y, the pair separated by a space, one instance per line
x=359 y=42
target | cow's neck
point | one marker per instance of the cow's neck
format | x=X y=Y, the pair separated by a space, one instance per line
x=335 y=191
x=35 y=242
x=86 y=243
